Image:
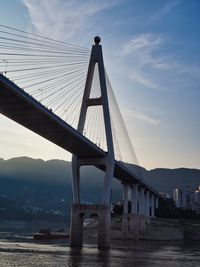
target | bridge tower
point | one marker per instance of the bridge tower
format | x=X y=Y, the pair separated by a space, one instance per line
x=101 y=210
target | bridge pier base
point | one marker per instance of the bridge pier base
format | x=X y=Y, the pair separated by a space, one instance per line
x=142 y=224
x=130 y=226
x=125 y=226
x=148 y=220
x=76 y=227
x=134 y=226
x=104 y=224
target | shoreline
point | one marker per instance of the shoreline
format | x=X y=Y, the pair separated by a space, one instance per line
x=160 y=229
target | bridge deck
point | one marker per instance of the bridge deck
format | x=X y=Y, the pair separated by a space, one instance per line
x=22 y=108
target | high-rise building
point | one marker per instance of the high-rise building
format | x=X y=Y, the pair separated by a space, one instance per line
x=197 y=200
x=186 y=198
x=183 y=197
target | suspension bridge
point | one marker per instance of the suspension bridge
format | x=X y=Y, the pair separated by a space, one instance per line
x=62 y=92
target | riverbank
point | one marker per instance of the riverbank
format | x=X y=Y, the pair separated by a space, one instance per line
x=24 y=251
x=158 y=230
x=172 y=230
x=21 y=250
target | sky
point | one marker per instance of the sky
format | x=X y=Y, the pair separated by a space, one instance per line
x=152 y=56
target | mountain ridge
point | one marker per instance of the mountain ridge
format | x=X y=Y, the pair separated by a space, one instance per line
x=46 y=185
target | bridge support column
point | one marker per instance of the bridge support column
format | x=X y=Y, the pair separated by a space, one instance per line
x=75 y=180
x=147 y=204
x=152 y=200
x=134 y=218
x=125 y=215
x=142 y=216
x=76 y=227
x=108 y=160
x=104 y=223
x=157 y=202
x=104 y=216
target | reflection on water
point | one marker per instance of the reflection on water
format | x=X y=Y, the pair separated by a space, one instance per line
x=21 y=250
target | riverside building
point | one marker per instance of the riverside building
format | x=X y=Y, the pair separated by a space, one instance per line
x=186 y=198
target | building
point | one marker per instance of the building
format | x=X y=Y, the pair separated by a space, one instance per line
x=197 y=200
x=186 y=198
x=182 y=197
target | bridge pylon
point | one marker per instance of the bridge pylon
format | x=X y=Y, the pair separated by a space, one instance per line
x=101 y=210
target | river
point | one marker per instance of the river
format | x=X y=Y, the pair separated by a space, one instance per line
x=20 y=251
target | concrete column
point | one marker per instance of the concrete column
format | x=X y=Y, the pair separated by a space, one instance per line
x=75 y=180
x=125 y=213
x=147 y=206
x=134 y=226
x=134 y=217
x=125 y=197
x=142 y=201
x=157 y=202
x=152 y=205
x=104 y=226
x=142 y=215
x=76 y=227
x=134 y=198
x=147 y=202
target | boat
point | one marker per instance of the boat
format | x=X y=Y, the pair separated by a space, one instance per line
x=46 y=234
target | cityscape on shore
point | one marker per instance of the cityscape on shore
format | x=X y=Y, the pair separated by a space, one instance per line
x=187 y=198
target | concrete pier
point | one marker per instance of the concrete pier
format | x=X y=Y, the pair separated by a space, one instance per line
x=152 y=201
x=125 y=226
x=104 y=224
x=142 y=211
x=142 y=224
x=134 y=217
x=147 y=206
x=134 y=226
x=156 y=202
x=125 y=215
x=130 y=219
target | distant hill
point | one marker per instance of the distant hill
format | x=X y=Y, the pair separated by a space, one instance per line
x=167 y=179
x=33 y=184
x=28 y=186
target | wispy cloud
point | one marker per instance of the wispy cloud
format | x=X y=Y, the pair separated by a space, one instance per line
x=144 y=48
x=141 y=79
x=63 y=19
x=145 y=42
x=142 y=116
x=143 y=51
x=166 y=9
x=154 y=67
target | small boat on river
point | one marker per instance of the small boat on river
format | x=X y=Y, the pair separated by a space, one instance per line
x=46 y=234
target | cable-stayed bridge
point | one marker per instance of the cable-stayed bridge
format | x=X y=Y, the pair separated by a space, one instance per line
x=62 y=92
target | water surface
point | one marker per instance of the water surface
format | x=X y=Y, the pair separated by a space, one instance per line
x=20 y=250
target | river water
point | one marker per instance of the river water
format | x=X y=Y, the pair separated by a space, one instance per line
x=20 y=251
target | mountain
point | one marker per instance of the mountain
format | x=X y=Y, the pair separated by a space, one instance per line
x=29 y=186
x=34 y=186
x=167 y=179
x=24 y=176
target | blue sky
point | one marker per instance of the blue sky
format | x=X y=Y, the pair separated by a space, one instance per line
x=152 y=56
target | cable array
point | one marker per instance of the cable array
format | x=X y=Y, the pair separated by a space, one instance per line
x=54 y=73
x=123 y=148
x=51 y=71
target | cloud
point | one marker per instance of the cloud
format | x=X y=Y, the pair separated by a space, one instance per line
x=139 y=78
x=152 y=65
x=141 y=116
x=166 y=9
x=145 y=42
x=146 y=49
x=143 y=50
x=63 y=20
